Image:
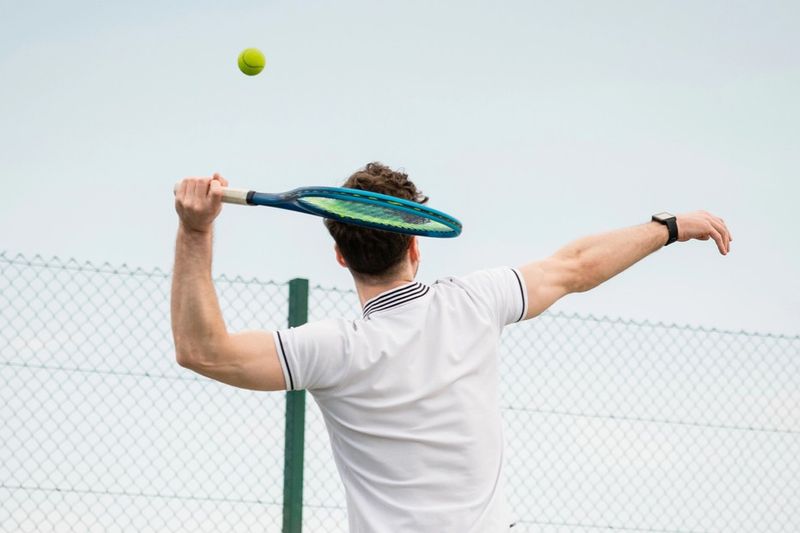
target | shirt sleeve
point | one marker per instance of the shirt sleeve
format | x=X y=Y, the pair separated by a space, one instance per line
x=502 y=292
x=312 y=355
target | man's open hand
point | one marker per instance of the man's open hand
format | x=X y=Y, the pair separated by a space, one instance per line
x=198 y=201
x=702 y=225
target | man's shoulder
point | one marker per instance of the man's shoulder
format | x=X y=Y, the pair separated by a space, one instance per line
x=499 y=291
x=477 y=279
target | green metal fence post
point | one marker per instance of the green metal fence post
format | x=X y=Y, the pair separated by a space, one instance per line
x=295 y=424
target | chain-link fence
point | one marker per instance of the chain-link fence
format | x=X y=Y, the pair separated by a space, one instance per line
x=103 y=431
x=610 y=425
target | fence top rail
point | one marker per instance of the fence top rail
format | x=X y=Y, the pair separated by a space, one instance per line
x=72 y=264
x=639 y=323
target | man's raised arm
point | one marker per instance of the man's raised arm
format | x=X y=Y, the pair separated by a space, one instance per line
x=586 y=263
x=202 y=342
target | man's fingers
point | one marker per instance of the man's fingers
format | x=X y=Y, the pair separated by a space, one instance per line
x=702 y=225
x=219 y=179
x=180 y=190
x=216 y=191
x=718 y=239
x=719 y=225
x=723 y=228
x=198 y=201
x=730 y=237
x=722 y=243
x=191 y=187
x=202 y=188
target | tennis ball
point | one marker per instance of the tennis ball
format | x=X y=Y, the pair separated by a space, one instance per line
x=251 y=61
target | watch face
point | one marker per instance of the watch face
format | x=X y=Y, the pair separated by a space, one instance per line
x=663 y=216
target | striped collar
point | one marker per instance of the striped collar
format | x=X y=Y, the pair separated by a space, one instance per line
x=395 y=297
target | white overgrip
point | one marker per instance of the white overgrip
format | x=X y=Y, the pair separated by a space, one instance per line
x=229 y=196
x=235 y=196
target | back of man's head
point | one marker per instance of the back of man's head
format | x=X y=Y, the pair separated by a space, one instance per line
x=370 y=253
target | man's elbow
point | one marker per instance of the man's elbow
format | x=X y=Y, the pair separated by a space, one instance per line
x=189 y=355
x=183 y=359
x=198 y=354
x=185 y=356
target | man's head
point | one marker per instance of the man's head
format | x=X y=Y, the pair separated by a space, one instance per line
x=375 y=256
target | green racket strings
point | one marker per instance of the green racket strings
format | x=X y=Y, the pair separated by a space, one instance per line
x=377 y=214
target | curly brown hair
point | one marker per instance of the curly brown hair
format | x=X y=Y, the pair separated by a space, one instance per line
x=372 y=252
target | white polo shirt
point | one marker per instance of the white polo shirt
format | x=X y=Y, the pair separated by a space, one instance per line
x=409 y=396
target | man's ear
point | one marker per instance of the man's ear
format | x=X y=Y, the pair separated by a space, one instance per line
x=339 y=257
x=413 y=250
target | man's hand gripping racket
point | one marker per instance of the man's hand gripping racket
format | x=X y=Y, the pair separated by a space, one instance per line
x=198 y=201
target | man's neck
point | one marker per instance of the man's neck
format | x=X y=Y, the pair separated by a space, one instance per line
x=366 y=291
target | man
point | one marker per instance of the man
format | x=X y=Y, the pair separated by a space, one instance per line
x=408 y=391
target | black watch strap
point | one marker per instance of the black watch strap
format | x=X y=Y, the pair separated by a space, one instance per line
x=669 y=220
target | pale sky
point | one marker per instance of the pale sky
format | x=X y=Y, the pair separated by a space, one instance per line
x=533 y=122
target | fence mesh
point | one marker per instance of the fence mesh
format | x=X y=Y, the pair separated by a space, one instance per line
x=620 y=425
x=610 y=425
x=103 y=431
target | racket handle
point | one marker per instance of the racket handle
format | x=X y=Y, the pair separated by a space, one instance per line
x=229 y=196
x=235 y=196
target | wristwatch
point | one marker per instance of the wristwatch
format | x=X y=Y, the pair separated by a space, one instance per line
x=669 y=220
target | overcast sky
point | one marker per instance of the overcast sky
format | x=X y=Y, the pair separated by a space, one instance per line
x=533 y=122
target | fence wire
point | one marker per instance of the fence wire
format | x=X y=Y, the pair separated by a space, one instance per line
x=103 y=431
x=610 y=425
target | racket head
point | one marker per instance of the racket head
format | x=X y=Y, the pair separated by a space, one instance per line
x=377 y=211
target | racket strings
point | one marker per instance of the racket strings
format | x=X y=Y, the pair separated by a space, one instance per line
x=376 y=214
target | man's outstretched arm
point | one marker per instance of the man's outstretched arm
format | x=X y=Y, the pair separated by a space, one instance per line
x=586 y=263
x=202 y=342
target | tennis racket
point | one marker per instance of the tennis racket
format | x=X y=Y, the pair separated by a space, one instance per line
x=354 y=206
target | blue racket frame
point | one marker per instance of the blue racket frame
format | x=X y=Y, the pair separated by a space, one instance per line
x=293 y=201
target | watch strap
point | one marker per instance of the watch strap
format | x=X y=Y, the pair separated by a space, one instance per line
x=672 y=226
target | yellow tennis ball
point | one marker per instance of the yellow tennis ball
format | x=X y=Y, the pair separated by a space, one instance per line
x=251 y=61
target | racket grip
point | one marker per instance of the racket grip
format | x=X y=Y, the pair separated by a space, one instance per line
x=235 y=196
x=229 y=196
